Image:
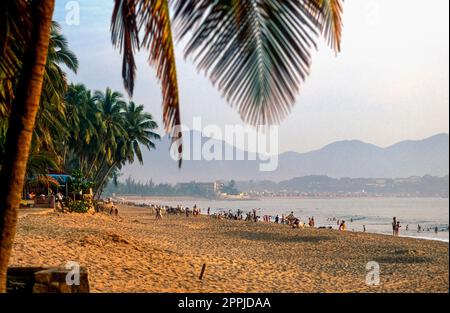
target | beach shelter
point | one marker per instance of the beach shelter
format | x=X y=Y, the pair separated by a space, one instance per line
x=59 y=182
x=63 y=181
x=39 y=184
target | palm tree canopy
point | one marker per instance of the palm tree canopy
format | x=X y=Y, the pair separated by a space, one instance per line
x=257 y=52
x=51 y=115
x=140 y=128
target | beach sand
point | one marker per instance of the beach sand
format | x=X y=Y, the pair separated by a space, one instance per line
x=136 y=253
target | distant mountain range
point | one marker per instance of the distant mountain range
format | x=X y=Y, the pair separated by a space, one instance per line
x=352 y=159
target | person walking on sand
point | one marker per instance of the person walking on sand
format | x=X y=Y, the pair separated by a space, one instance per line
x=209 y=211
x=364 y=228
x=158 y=213
x=59 y=200
x=342 y=226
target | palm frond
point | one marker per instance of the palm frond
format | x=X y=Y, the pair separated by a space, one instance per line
x=125 y=36
x=257 y=52
x=329 y=15
x=153 y=18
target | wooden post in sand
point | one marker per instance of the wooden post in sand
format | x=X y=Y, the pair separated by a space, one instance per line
x=203 y=271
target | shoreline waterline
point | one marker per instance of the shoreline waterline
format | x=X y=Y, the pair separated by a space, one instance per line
x=375 y=213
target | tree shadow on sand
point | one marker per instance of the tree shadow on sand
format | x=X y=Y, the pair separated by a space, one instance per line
x=275 y=237
x=403 y=257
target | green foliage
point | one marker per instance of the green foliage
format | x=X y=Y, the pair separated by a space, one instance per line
x=193 y=189
x=78 y=206
x=105 y=133
x=78 y=183
x=89 y=134
x=230 y=188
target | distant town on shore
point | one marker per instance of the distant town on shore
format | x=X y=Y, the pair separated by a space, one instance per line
x=307 y=186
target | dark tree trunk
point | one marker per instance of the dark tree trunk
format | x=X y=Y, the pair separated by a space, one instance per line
x=101 y=186
x=21 y=125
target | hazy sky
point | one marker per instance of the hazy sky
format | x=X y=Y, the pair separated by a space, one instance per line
x=390 y=82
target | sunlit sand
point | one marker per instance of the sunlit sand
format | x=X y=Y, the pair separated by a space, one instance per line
x=136 y=253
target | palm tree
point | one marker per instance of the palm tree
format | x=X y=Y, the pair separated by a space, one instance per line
x=112 y=127
x=23 y=114
x=257 y=52
x=14 y=36
x=139 y=127
x=50 y=130
x=83 y=120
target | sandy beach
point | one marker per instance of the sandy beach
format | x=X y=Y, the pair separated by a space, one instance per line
x=136 y=253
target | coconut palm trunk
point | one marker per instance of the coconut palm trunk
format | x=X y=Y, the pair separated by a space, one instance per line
x=102 y=181
x=21 y=124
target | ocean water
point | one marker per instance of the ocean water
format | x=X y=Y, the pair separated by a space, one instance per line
x=375 y=213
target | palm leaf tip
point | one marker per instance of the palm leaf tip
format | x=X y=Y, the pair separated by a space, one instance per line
x=125 y=37
x=130 y=17
x=330 y=19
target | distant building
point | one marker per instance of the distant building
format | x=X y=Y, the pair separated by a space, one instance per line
x=218 y=186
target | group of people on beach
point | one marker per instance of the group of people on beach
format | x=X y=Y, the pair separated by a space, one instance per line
x=290 y=219
x=421 y=228
x=195 y=211
x=396 y=228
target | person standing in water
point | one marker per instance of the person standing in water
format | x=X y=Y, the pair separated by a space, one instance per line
x=397 y=229
x=394 y=225
x=364 y=228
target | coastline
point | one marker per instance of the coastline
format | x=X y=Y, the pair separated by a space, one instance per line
x=342 y=208
x=136 y=253
x=195 y=198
